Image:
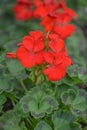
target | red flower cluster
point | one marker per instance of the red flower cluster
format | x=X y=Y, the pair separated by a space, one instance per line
x=26 y=9
x=37 y=49
x=47 y=49
x=57 y=58
x=55 y=17
x=57 y=20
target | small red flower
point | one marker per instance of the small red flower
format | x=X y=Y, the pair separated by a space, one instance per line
x=10 y=55
x=23 y=11
x=58 y=24
x=48 y=22
x=30 y=52
x=45 y=9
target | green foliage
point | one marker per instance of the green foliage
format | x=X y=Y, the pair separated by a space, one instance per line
x=58 y=105
x=65 y=120
x=39 y=104
x=77 y=102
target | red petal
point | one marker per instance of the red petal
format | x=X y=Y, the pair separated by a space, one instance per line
x=28 y=63
x=59 y=58
x=53 y=37
x=28 y=43
x=57 y=46
x=39 y=45
x=49 y=57
x=55 y=73
x=36 y=34
x=39 y=57
x=71 y=12
x=67 y=31
x=64 y=31
x=67 y=62
x=26 y=59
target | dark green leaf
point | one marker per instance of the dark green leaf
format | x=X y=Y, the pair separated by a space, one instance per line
x=16 y=69
x=42 y=125
x=62 y=120
x=38 y=104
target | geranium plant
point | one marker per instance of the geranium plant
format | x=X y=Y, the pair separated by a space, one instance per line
x=41 y=83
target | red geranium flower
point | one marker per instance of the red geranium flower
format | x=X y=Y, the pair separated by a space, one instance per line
x=57 y=65
x=45 y=9
x=58 y=24
x=48 y=22
x=30 y=52
x=23 y=11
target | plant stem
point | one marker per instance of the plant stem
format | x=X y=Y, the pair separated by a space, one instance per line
x=23 y=85
x=55 y=90
x=30 y=123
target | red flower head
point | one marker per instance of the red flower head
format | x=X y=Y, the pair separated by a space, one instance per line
x=22 y=10
x=46 y=8
x=57 y=65
x=30 y=52
x=48 y=22
x=56 y=58
x=49 y=49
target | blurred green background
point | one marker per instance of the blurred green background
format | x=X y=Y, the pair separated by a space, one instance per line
x=12 y=31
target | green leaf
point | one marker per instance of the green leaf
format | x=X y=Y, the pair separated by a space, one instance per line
x=62 y=120
x=16 y=69
x=78 y=41
x=79 y=72
x=38 y=104
x=82 y=74
x=2 y=101
x=42 y=125
x=75 y=100
x=64 y=88
x=71 y=81
x=75 y=126
x=6 y=84
x=68 y=97
x=22 y=126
